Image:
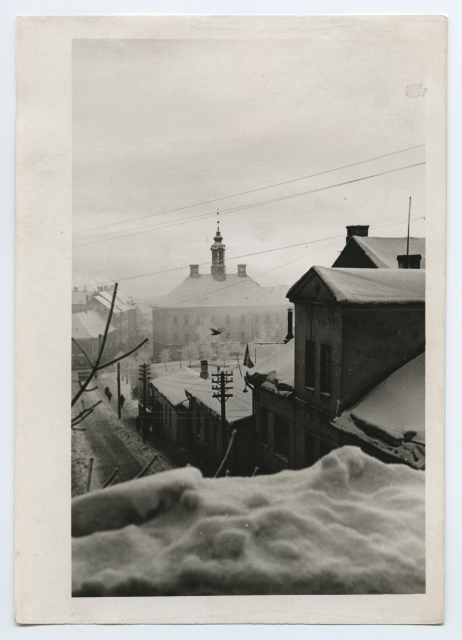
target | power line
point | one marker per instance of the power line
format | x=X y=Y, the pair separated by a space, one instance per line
x=252 y=205
x=245 y=255
x=242 y=193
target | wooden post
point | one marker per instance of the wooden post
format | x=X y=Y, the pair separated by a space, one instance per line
x=119 y=412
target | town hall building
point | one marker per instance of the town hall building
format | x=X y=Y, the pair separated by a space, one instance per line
x=234 y=305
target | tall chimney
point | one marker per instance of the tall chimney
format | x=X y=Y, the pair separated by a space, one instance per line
x=194 y=271
x=204 y=369
x=357 y=230
x=290 y=334
x=241 y=272
x=409 y=262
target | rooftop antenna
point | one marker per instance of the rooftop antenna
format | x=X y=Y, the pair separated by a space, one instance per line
x=408 y=231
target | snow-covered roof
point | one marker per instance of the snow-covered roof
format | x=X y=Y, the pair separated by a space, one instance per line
x=367 y=286
x=88 y=324
x=393 y=412
x=172 y=386
x=120 y=305
x=239 y=406
x=278 y=369
x=235 y=291
x=349 y=524
x=384 y=251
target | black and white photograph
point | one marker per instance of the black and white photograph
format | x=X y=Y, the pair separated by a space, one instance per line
x=248 y=316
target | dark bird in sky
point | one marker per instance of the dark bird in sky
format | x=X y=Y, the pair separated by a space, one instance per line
x=216 y=332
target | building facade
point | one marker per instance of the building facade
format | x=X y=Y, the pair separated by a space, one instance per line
x=234 y=305
x=354 y=330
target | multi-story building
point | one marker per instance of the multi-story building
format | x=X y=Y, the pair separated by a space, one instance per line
x=233 y=304
x=358 y=335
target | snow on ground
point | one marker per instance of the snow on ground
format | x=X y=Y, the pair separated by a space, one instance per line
x=350 y=524
x=81 y=454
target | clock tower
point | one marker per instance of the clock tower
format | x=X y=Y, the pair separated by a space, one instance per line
x=218 y=257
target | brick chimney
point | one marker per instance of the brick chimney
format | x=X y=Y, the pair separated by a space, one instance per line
x=357 y=230
x=409 y=262
x=241 y=272
x=204 y=369
x=194 y=271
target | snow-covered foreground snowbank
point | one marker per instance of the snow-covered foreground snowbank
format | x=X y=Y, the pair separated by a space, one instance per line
x=349 y=524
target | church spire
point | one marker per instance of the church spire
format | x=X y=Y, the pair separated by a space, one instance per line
x=218 y=255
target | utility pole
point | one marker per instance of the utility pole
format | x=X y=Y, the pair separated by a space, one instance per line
x=118 y=391
x=144 y=373
x=221 y=384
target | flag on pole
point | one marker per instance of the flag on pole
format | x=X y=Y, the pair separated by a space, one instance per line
x=247 y=361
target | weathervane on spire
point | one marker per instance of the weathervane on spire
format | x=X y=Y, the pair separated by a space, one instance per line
x=218 y=220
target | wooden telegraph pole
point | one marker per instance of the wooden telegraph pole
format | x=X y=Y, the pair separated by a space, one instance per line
x=221 y=385
x=144 y=373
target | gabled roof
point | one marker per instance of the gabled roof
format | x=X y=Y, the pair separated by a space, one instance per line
x=277 y=370
x=237 y=407
x=88 y=324
x=172 y=386
x=235 y=291
x=363 y=286
x=105 y=297
x=383 y=252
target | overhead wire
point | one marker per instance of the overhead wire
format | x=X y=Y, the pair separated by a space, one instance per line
x=248 y=206
x=242 y=193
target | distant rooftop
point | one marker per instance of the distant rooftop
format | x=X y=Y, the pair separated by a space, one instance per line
x=88 y=324
x=383 y=252
x=235 y=291
x=237 y=407
x=172 y=385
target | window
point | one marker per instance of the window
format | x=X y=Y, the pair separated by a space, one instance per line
x=186 y=337
x=198 y=319
x=264 y=425
x=309 y=363
x=242 y=335
x=281 y=437
x=175 y=319
x=228 y=320
x=325 y=368
x=243 y=318
x=175 y=338
x=186 y=319
x=309 y=450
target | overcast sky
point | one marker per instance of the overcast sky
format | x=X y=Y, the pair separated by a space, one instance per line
x=163 y=124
